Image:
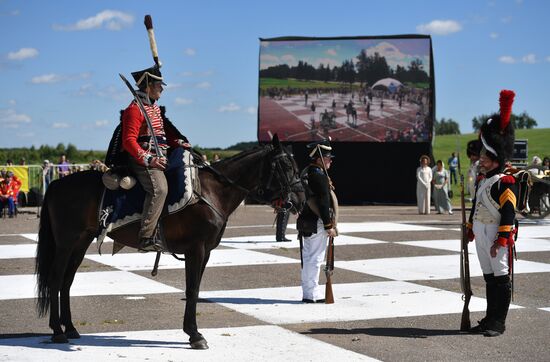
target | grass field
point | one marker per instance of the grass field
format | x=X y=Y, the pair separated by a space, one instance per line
x=538 y=145
x=301 y=84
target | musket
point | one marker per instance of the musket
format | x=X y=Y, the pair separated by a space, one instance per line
x=329 y=269
x=464 y=260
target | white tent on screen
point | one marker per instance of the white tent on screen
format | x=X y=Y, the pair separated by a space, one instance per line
x=389 y=83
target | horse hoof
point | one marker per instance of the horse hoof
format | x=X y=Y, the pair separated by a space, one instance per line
x=72 y=334
x=60 y=338
x=200 y=344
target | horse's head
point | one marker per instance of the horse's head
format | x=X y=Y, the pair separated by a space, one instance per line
x=280 y=178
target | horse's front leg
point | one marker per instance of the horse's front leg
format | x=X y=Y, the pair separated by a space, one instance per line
x=194 y=262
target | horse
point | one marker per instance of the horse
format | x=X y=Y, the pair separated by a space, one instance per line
x=69 y=222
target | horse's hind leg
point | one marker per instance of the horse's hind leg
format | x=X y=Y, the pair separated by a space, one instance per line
x=75 y=260
x=55 y=281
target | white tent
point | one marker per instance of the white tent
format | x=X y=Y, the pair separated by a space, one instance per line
x=390 y=83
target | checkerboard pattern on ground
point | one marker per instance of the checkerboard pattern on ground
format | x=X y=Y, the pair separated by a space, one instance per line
x=376 y=279
x=292 y=117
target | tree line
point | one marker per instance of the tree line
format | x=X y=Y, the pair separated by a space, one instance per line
x=367 y=69
x=450 y=126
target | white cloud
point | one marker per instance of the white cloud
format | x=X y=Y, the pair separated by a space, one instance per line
x=231 y=107
x=331 y=52
x=251 y=110
x=493 y=35
x=190 y=52
x=60 y=125
x=204 y=85
x=101 y=123
x=325 y=62
x=264 y=44
x=183 y=101
x=173 y=86
x=187 y=74
x=529 y=58
x=11 y=119
x=506 y=19
x=548 y=58
x=12 y=102
x=46 y=78
x=269 y=58
x=23 y=53
x=55 y=78
x=507 y=59
x=289 y=59
x=108 y=19
x=440 y=27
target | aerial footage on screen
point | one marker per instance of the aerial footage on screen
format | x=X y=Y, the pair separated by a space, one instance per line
x=351 y=89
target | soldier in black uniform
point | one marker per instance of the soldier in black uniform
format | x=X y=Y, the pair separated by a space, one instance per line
x=315 y=223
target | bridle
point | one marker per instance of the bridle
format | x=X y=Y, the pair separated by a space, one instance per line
x=287 y=184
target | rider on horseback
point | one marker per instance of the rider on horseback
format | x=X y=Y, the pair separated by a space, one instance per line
x=145 y=163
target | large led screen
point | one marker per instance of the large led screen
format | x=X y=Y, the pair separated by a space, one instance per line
x=360 y=89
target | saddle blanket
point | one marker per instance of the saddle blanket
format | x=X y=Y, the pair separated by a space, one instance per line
x=121 y=207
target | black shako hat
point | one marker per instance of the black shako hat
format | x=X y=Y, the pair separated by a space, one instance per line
x=473 y=148
x=323 y=146
x=497 y=132
x=146 y=76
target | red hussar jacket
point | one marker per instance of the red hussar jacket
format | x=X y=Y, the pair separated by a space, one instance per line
x=136 y=137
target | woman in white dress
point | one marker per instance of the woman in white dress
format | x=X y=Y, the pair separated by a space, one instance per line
x=423 y=184
x=441 y=189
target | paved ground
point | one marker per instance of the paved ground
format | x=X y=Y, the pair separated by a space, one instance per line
x=396 y=287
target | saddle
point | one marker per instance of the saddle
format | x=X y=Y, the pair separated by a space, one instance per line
x=120 y=210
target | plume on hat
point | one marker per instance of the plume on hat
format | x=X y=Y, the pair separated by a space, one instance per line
x=497 y=132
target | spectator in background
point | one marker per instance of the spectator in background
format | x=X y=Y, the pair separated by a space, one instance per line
x=205 y=159
x=9 y=188
x=536 y=166
x=423 y=185
x=546 y=163
x=9 y=162
x=216 y=158
x=47 y=174
x=441 y=191
x=22 y=161
x=453 y=165
x=472 y=150
x=64 y=167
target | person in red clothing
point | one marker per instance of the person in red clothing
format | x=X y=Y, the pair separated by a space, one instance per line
x=145 y=163
x=9 y=188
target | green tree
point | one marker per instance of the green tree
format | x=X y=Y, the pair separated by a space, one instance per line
x=448 y=126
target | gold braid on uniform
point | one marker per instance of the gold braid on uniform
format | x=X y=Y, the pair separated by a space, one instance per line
x=507 y=195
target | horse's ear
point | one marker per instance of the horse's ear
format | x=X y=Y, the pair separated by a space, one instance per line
x=275 y=141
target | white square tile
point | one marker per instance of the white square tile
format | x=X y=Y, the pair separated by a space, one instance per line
x=222 y=257
x=428 y=267
x=90 y=283
x=253 y=343
x=353 y=301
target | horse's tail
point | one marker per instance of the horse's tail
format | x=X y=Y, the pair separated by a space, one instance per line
x=45 y=252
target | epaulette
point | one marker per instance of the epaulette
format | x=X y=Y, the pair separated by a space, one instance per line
x=508 y=179
x=316 y=169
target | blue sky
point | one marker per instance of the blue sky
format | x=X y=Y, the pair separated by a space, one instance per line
x=59 y=60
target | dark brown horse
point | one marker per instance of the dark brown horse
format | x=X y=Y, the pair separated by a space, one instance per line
x=69 y=223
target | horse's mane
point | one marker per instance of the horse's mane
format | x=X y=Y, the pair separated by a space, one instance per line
x=223 y=164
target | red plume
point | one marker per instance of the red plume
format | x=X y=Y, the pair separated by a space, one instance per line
x=506 y=100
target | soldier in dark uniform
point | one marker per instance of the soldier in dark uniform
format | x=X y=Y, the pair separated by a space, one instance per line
x=492 y=217
x=315 y=223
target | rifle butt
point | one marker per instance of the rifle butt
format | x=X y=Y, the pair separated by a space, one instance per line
x=329 y=296
x=465 y=324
